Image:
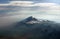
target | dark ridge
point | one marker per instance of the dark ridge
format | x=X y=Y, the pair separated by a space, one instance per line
x=31 y=18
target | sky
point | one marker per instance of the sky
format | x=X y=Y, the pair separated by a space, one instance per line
x=14 y=10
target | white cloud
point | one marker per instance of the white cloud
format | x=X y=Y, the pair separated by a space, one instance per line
x=22 y=3
x=45 y=4
x=4 y=4
x=31 y=4
x=53 y=6
x=50 y=8
x=19 y=3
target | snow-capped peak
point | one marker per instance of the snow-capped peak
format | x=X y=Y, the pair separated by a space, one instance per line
x=31 y=20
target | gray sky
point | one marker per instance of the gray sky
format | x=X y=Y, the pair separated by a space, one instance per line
x=14 y=10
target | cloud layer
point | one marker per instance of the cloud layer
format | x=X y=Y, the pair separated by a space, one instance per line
x=19 y=7
x=16 y=10
x=29 y=7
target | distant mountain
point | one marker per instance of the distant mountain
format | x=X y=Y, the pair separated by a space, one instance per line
x=33 y=20
x=32 y=28
x=30 y=20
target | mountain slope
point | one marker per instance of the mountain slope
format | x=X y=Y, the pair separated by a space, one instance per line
x=26 y=29
x=45 y=29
